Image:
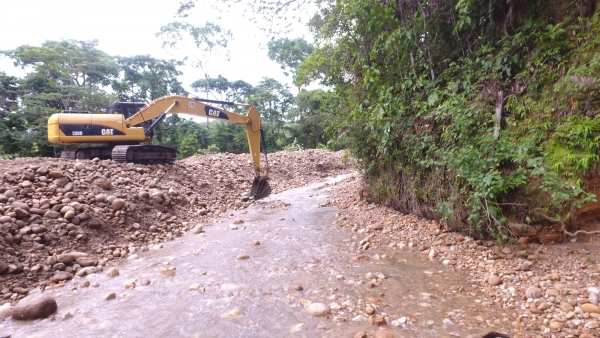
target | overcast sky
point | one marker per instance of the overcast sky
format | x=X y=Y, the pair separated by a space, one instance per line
x=128 y=27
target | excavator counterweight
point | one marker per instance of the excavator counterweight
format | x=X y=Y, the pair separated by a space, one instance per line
x=125 y=133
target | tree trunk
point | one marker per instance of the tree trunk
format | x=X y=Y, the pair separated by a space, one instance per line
x=499 y=107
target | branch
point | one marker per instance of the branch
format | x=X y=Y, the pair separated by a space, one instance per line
x=564 y=228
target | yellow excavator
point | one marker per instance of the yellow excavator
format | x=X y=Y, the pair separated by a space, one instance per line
x=126 y=131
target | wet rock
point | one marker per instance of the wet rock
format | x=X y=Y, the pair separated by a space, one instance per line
x=361 y=334
x=84 y=284
x=318 y=309
x=298 y=327
x=254 y=242
x=232 y=313
x=238 y=221
x=242 y=256
x=39 y=305
x=378 y=320
x=361 y=257
x=6 y=310
x=194 y=286
x=110 y=296
x=3 y=267
x=383 y=333
x=167 y=271
x=112 y=272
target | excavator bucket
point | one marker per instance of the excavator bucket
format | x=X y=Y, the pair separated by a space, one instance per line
x=260 y=189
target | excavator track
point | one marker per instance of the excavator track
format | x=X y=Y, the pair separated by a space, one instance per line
x=144 y=153
x=68 y=153
x=103 y=153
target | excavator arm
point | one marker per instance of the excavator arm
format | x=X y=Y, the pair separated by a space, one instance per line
x=176 y=104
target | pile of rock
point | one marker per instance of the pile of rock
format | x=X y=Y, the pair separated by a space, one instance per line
x=60 y=217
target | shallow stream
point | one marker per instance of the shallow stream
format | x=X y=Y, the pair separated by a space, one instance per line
x=302 y=257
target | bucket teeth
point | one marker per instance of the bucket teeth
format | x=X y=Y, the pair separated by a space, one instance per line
x=260 y=189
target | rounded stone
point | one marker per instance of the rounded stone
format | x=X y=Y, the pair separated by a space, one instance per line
x=318 y=309
x=555 y=325
x=194 y=286
x=566 y=307
x=591 y=308
x=384 y=333
x=6 y=311
x=117 y=204
x=38 y=305
x=494 y=280
x=112 y=272
x=378 y=320
x=110 y=296
x=533 y=292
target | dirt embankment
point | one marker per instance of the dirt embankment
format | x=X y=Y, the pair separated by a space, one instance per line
x=59 y=217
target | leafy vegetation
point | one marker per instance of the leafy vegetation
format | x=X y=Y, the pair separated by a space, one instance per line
x=474 y=112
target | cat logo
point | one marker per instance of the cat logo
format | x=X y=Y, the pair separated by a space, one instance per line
x=107 y=132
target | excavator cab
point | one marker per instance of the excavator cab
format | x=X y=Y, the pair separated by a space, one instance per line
x=127 y=109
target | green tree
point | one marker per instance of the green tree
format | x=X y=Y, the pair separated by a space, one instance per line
x=200 y=43
x=143 y=78
x=218 y=86
x=12 y=125
x=61 y=75
x=289 y=54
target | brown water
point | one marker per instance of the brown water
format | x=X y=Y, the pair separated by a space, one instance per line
x=298 y=246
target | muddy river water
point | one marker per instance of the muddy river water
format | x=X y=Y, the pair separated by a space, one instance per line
x=302 y=257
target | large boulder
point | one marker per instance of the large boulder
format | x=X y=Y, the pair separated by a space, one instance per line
x=38 y=305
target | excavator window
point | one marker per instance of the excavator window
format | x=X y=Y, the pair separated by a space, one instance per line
x=125 y=108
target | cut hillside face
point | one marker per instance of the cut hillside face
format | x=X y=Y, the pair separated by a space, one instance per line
x=60 y=217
